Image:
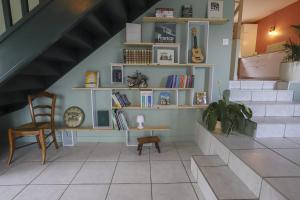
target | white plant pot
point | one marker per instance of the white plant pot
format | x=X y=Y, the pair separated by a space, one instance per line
x=290 y=71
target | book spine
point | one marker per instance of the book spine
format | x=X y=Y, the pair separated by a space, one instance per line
x=116 y=101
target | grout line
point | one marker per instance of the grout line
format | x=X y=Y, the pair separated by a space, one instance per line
x=186 y=171
x=108 y=189
x=151 y=189
x=83 y=163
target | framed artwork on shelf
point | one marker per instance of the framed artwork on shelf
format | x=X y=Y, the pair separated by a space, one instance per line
x=166 y=54
x=146 y=98
x=133 y=32
x=117 y=74
x=215 y=9
x=164 y=98
x=103 y=118
x=200 y=98
x=92 y=79
x=165 y=32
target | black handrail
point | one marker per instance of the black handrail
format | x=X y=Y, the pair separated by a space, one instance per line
x=10 y=27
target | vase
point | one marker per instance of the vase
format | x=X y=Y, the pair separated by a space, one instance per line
x=218 y=127
x=290 y=71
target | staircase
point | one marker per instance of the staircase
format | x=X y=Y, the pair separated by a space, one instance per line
x=237 y=167
x=274 y=110
x=45 y=45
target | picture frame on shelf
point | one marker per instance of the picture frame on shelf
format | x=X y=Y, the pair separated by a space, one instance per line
x=117 y=77
x=92 y=79
x=133 y=33
x=200 y=98
x=166 y=54
x=215 y=9
x=103 y=119
x=164 y=98
x=165 y=32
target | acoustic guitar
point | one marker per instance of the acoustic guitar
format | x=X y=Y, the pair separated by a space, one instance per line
x=197 y=56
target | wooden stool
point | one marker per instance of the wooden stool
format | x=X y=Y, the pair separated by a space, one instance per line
x=147 y=140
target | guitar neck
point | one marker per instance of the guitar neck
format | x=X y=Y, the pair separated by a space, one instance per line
x=195 y=42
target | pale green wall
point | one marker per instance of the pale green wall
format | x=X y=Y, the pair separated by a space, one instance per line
x=181 y=121
x=2 y=24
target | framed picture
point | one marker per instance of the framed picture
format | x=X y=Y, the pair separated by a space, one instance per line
x=166 y=54
x=133 y=32
x=116 y=74
x=165 y=32
x=164 y=98
x=215 y=9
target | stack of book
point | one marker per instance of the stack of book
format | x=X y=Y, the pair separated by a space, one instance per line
x=180 y=81
x=120 y=100
x=146 y=99
x=119 y=120
x=137 y=56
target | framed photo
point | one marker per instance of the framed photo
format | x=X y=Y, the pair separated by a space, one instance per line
x=164 y=98
x=116 y=74
x=166 y=54
x=165 y=32
x=215 y=9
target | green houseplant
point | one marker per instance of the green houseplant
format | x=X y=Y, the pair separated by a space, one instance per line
x=232 y=116
x=290 y=67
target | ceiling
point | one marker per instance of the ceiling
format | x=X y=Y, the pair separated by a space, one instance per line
x=257 y=9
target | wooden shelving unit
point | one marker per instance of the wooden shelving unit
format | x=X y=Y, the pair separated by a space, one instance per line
x=162 y=107
x=146 y=128
x=147 y=44
x=213 y=21
x=127 y=88
x=196 y=65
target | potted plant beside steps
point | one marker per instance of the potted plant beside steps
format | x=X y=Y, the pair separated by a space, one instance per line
x=226 y=117
x=290 y=67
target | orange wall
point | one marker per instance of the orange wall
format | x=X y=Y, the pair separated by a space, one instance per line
x=282 y=20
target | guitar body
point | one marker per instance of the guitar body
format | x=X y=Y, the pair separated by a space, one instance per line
x=197 y=56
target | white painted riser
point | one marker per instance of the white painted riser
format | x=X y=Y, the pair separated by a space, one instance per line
x=258 y=85
x=274 y=110
x=262 y=95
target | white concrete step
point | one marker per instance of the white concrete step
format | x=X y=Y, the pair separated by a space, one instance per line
x=277 y=126
x=258 y=85
x=273 y=109
x=253 y=162
x=217 y=181
x=253 y=85
x=262 y=95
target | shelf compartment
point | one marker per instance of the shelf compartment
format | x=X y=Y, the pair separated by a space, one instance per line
x=214 y=21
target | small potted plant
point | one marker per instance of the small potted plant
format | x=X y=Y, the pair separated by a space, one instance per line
x=290 y=67
x=228 y=116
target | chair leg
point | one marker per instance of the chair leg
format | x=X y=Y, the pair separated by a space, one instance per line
x=141 y=148
x=12 y=147
x=54 y=138
x=43 y=145
x=38 y=141
x=157 y=146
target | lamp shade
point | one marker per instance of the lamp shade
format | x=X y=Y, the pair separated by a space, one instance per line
x=140 y=121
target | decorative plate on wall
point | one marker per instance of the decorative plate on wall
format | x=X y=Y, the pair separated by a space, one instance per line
x=73 y=117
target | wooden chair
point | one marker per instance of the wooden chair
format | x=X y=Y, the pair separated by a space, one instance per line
x=148 y=140
x=37 y=127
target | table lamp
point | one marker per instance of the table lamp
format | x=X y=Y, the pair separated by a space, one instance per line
x=140 y=120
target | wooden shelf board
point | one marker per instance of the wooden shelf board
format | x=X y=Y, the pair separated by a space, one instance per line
x=147 y=128
x=200 y=65
x=161 y=107
x=151 y=128
x=127 y=88
x=148 y=44
x=215 y=21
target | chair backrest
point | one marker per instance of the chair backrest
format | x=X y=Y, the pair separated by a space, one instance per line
x=48 y=110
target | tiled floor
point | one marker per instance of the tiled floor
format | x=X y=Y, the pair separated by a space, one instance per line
x=108 y=171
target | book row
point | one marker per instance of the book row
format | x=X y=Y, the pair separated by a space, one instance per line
x=180 y=81
x=120 y=100
x=137 y=56
x=119 y=120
